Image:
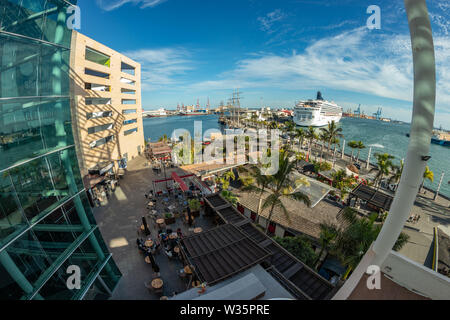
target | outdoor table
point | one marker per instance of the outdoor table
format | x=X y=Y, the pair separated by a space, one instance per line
x=198 y=230
x=196 y=284
x=188 y=270
x=176 y=249
x=147 y=259
x=173 y=236
x=157 y=283
x=149 y=243
x=160 y=221
x=150 y=204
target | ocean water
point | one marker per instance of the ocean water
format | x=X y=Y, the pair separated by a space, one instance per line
x=381 y=136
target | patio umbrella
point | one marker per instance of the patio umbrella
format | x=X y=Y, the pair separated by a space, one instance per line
x=189 y=216
x=144 y=223
x=155 y=266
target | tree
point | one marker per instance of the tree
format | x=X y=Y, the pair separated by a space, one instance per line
x=300 y=134
x=226 y=178
x=323 y=137
x=332 y=131
x=328 y=232
x=397 y=173
x=310 y=135
x=359 y=145
x=384 y=166
x=352 y=144
x=300 y=247
x=342 y=182
x=427 y=175
x=255 y=181
x=353 y=241
x=281 y=186
x=230 y=197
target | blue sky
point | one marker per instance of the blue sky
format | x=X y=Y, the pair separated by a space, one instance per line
x=276 y=52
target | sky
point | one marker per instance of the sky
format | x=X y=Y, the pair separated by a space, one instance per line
x=275 y=52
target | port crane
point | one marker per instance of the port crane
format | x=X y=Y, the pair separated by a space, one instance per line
x=377 y=114
x=357 y=112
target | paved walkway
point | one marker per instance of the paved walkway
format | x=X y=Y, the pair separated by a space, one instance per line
x=119 y=222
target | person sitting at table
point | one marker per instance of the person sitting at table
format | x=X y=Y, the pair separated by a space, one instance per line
x=179 y=233
x=141 y=244
x=163 y=237
x=169 y=231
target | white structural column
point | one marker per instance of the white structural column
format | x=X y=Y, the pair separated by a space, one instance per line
x=368 y=158
x=421 y=128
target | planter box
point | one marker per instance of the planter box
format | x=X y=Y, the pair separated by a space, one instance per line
x=169 y=221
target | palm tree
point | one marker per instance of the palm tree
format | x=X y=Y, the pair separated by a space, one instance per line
x=353 y=241
x=281 y=186
x=332 y=131
x=300 y=134
x=230 y=197
x=226 y=178
x=359 y=145
x=328 y=232
x=310 y=135
x=384 y=166
x=352 y=144
x=256 y=182
x=323 y=137
x=342 y=182
x=397 y=173
x=427 y=175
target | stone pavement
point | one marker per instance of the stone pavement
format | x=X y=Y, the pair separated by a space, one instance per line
x=119 y=222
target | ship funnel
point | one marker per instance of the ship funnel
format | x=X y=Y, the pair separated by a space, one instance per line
x=319 y=95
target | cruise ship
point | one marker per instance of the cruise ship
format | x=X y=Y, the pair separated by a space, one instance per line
x=316 y=113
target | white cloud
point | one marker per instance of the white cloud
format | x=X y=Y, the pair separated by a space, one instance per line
x=268 y=21
x=161 y=67
x=110 y=5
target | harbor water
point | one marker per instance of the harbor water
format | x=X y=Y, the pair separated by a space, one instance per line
x=383 y=137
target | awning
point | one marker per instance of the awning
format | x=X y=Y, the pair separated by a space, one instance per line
x=180 y=181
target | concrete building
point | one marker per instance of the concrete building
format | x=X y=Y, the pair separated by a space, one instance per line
x=106 y=107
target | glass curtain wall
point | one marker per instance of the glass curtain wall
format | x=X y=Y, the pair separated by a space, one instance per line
x=46 y=223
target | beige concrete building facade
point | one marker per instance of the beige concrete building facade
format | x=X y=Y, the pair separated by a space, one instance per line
x=106 y=107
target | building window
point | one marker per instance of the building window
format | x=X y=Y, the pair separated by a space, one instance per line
x=128 y=91
x=99 y=114
x=101 y=141
x=127 y=81
x=126 y=68
x=97 y=57
x=95 y=73
x=103 y=127
x=97 y=101
x=130 y=121
x=128 y=101
x=128 y=132
x=129 y=111
x=97 y=87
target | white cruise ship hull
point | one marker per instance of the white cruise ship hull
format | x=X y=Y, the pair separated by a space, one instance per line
x=319 y=121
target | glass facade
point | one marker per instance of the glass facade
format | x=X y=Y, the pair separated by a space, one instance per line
x=46 y=222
